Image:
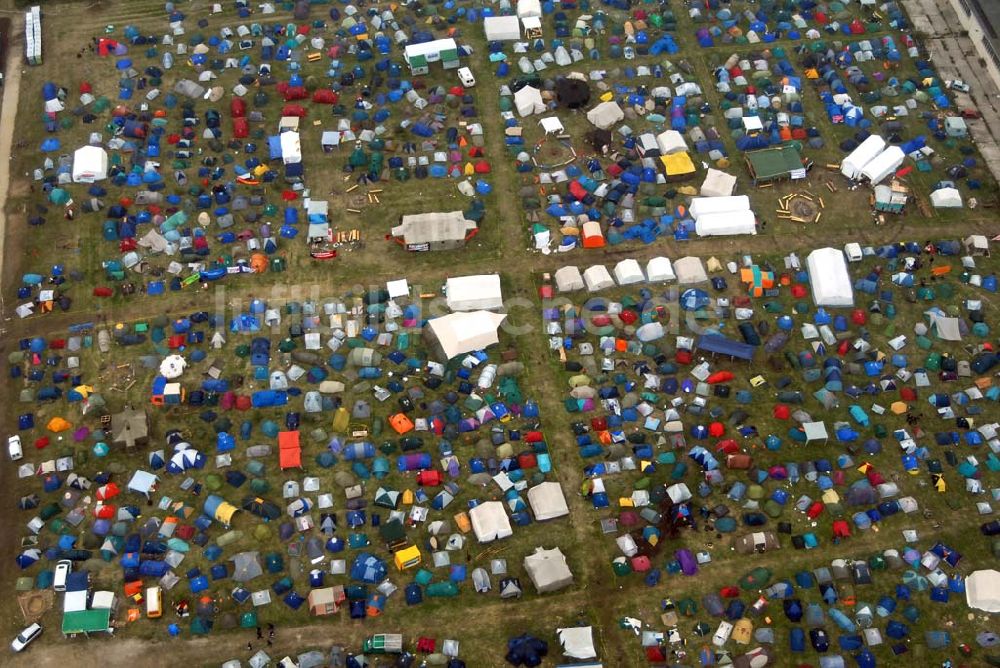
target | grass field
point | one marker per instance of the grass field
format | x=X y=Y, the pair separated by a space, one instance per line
x=482 y=623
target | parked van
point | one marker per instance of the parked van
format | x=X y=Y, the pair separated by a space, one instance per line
x=465 y=77
x=154 y=602
x=722 y=634
x=63 y=568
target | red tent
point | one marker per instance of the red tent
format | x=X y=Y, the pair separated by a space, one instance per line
x=289 y=450
x=102 y=291
x=720 y=377
x=628 y=316
x=716 y=429
x=241 y=129
x=430 y=478
x=291 y=93
x=727 y=446
x=237 y=107
x=781 y=412
x=243 y=403
x=798 y=291
x=730 y=592
x=907 y=394
x=815 y=510
x=324 y=96
x=482 y=167
x=293 y=110
x=841 y=529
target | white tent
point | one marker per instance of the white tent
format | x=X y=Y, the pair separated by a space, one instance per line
x=628 y=272
x=829 y=278
x=597 y=278
x=529 y=101
x=490 y=522
x=548 y=570
x=474 y=293
x=883 y=165
x=852 y=165
x=90 y=163
x=946 y=198
x=718 y=184
x=708 y=205
x=291 y=148
x=527 y=8
x=723 y=224
x=460 y=333
x=547 y=501
x=659 y=269
x=568 y=279
x=552 y=125
x=577 y=642
x=690 y=270
x=605 y=114
x=671 y=141
x=502 y=28
x=172 y=366
x=982 y=590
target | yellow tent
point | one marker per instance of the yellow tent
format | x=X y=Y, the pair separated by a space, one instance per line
x=899 y=407
x=58 y=424
x=677 y=165
x=84 y=390
x=408 y=557
x=224 y=513
x=408 y=497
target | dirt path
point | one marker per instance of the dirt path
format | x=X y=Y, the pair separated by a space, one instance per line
x=8 y=113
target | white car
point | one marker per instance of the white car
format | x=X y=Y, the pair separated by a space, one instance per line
x=466 y=78
x=25 y=637
x=958 y=84
x=14 y=448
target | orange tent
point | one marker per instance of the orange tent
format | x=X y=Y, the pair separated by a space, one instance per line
x=289 y=450
x=401 y=423
x=259 y=263
x=58 y=424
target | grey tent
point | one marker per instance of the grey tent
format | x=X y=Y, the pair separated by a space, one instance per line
x=246 y=566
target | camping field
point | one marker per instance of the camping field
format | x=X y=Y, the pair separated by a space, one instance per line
x=651 y=443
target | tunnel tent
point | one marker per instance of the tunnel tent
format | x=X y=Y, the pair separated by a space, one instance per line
x=490 y=522
x=852 y=165
x=569 y=279
x=829 y=279
x=884 y=164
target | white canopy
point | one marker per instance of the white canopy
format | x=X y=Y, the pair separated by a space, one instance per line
x=577 y=642
x=884 y=164
x=690 y=270
x=547 y=501
x=946 y=198
x=982 y=590
x=502 y=28
x=90 y=163
x=829 y=278
x=529 y=101
x=597 y=278
x=718 y=184
x=474 y=293
x=291 y=148
x=548 y=570
x=628 y=272
x=708 y=205
x=460 y=333
x=605 y=114
x=568 y=279
x=490 y=522
x=728 y=223
x=852 y=165
x=659 y=269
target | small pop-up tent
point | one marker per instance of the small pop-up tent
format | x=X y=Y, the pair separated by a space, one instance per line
x=90 y=164
x=829 y=278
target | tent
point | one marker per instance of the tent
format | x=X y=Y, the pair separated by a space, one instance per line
x=671 y=141
x=291 y=148
x=502 y=28
x=289 y=450
x=529 y=101
x=718 y=184
x=946 y=198
x=701 y=206
x=628 y=272
x=677 y=166
x=829 y=278
x=569 y=279
x=577 y=642
x=690 y=271
x=852 y=165
x=474 y=293
x=324 y=601
x=548 y=570
x=490 y=521
x=529 y=8
x=460 y=333
x=884 y=164
x=605 y=115
x=725 y=224
x=598 y=278
x=547 y=501
x=982 y=590
x=90 y=164
x=659 y=270
x=591 y=235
